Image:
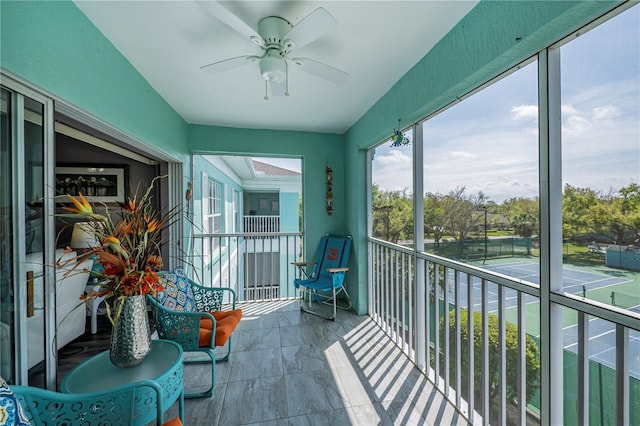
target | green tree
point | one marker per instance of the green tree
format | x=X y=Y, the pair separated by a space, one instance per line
x=511 y=339
x=576 y=203
x=405 y=214
x=525 y=224
x=631 y=208
x=523 y=215
x=615 y=215
x=459 y=210
x=392 y=214
x=618 y=215
x=434 y=216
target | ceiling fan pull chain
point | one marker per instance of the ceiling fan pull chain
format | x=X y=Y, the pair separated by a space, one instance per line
x=286 y=78
x=266 y=97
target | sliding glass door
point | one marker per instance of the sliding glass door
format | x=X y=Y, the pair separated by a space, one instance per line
x=34 y=272
x=27 y=293
x=7 y=313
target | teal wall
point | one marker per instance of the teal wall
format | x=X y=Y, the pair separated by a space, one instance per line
x=201 y=165
x=315 y=149
x=288 y=212
x=493 y=37
x=52 y=45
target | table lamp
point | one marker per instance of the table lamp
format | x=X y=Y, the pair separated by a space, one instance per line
x=83 y=236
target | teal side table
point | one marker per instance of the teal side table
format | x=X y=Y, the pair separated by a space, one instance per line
x=162 y=365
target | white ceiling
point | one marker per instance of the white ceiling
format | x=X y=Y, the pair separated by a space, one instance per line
x=376 y=42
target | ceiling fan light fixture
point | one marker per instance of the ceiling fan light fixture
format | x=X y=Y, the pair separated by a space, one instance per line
x=277 y=38
x=273 y=69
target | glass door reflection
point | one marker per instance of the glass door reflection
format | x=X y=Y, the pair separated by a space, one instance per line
x=34 y=241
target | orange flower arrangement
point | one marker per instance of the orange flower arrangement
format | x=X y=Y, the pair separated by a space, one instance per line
x=129 y=248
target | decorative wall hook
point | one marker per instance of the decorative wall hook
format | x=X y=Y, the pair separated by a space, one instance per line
x=329 y=197
x=398 y=138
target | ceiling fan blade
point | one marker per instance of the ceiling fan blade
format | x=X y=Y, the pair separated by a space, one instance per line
x=313 y=26
x=321 y=70
x=278 y=89
x=228 y=64
x=216 y=10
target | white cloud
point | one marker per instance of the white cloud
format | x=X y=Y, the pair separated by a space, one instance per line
x=393 y=169
x=525 y=112
x=568 y=110
x=574 y=126
x=608 y=112
x=462 y=154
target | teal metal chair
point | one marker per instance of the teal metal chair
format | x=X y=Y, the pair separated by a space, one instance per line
x=325 y=284
x=191 y=315
x=134 y=404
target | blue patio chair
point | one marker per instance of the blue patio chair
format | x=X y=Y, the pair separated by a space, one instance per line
x=192 y=316
x=325 y=285
x=133 y=404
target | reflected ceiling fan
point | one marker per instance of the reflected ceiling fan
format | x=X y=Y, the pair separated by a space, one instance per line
x=277 y=38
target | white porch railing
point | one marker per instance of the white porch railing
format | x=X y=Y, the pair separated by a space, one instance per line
x=433 y=337
x=256 y=265
x=261 y=224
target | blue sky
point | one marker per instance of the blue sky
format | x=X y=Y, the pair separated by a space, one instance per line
x=488 y=142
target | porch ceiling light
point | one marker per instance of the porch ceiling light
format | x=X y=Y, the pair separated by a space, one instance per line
x=273 y=69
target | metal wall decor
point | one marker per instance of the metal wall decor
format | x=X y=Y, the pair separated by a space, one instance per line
x=399 y=139
x=329 y=172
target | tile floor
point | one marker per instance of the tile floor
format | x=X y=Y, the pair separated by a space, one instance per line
x=292 y=368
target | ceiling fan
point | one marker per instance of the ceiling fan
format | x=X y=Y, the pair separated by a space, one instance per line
x=277 y=38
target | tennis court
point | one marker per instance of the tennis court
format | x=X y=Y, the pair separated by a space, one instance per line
x=576 y=281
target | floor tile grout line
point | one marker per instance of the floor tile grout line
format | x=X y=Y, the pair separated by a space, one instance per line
x=284 y=380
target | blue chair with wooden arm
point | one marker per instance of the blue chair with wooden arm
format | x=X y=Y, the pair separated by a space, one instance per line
x=192 y=316
x=133 y=404
x=325 y=285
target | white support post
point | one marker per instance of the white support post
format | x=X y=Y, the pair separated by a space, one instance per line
x=458 y=337
x=471 y=349
x=583 y=368
x=436 y=316
x=622 y=375
x=447 y=335
x=550 y=153
x=522 y=359
x=418 y=236
x=370 y=255
x=485 y=353
x=502 y=368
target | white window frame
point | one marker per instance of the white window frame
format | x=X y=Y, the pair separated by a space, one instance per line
x=212 y=191
x=211 y=205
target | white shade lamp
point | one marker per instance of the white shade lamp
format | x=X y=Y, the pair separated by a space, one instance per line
x=83 y=236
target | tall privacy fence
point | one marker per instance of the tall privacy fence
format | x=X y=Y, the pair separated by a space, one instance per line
x=471 y=250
